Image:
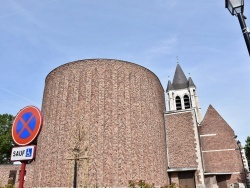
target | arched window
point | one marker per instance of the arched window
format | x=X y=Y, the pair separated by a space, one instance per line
x=186 y=101
x=178 y=103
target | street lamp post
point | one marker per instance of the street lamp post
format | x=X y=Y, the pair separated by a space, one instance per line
x=75 y=151
x=78 y=158
x=236 y=7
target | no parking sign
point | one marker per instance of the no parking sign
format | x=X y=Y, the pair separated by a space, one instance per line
x=25 y=129
x=27 y=125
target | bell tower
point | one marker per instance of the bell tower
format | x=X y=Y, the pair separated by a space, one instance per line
x=182 y=94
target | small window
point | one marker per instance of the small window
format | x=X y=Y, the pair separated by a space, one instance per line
x=186 y=101
x=194 y=92
x=12 y=177
x=178 y=103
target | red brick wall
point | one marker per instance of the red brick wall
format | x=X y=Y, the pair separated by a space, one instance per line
x=118 y=107
x=210 y=181
x=240 y=178
x=227 y=159
x=220 y=141
x=214 y=123
x=174 y=178
x=223 y=161
x=181 y=140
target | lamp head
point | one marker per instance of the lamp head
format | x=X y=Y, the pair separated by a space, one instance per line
x=239 y=143
x=235 y=6
x=75 y=151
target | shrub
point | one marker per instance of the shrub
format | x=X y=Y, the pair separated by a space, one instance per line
x=140 y=184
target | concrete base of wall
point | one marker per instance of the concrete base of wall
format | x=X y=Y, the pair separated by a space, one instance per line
x=239 y=185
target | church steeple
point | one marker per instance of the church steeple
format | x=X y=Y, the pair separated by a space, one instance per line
x=180 y=80
x=170 y=86
x=191 y=83
x=182 y=93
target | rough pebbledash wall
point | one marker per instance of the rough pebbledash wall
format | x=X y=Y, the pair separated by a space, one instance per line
x=113 y=112
x=5 y=171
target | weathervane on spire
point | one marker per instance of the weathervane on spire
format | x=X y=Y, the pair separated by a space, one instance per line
x=177 y=59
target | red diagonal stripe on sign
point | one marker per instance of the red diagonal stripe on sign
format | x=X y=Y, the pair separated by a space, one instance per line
x=26 y=125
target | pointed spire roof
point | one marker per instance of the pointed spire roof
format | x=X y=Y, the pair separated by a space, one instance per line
x=170 y=86
x=191 y=83
x=180 y=80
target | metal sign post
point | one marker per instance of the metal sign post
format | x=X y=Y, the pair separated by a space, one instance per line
x=21 y=182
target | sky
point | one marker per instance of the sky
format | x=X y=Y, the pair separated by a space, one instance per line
x=38 y=36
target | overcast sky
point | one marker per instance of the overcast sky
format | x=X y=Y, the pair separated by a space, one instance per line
x=38 y=36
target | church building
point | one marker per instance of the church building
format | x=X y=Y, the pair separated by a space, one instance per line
x=200 y=151
x=105 y=123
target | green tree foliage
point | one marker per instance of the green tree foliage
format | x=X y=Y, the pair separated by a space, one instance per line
x=247 y=149
x=7 y=186
x=5 y=138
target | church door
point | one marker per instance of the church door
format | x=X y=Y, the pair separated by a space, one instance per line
x=186 y=179
x=222 y=181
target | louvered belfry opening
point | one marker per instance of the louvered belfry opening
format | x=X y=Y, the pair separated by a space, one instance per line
x=178 y=103
x=186 y=101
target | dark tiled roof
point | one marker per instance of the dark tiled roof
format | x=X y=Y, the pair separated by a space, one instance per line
x=191 y=83
x=180 y=80
x=170 y=86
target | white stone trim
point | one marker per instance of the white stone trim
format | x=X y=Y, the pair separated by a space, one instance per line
x=181 y=169
x=198 y=149
x=221 y=173
x=179 y=111
x=203 y=135
x=218 y=150
x=166 y=136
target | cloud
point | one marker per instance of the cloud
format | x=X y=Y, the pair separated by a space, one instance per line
x=17 y=95
x=13 y=13
x=164 y=47
x=167 y=5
